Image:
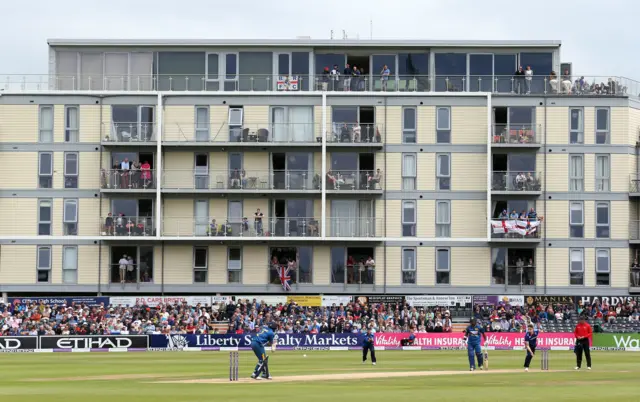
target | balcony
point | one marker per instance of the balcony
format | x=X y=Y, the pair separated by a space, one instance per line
x=127 y=181
x=224 y=227
x=273 y=134
x=354 y=181
x=516 y=183
x=244 y=182
x=516 y=136
x=634 y=185
x=129 y=134
x=516 y=231
x=353 y=135
x=355 y=227
x=634 y=280
x=127 y=226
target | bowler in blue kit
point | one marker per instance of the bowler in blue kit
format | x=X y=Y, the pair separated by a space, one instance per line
x=473 y=334
x=368 y=344
x=264 y=337
x=530 y=343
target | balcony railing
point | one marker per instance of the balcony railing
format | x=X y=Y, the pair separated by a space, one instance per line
x=634 y=278
x=516 y=181
x=130 y=273
x=126 y=226
x=272 y=133
x=634 y=183
x=355 y=133
x=354 y=227
x=516 y=134
x=287 y=180
x=634 y=230
x=574 y=85
x=238 y=227
x=132 y=179
x=516 y=229
x=129 y=132
x=354 y=180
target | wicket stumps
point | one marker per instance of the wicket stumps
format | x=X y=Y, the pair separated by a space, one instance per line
x=234 y=365
x=544 y=360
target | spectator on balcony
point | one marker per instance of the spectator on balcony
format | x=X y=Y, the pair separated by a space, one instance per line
x=146 y=174
x=355 y=83
x=134 y=175
x=123 y=263
x=108 y=224
x=533 y=215
x=351 y=264
x=532 y=183
x=335 y=77
x=121 y=224
x=374 y=181
x=566 y=82
x=125 y=166
x=325 y=79
x=521 y=179
x=371 y=266
x=257 y=216
x=384 y=76
x=213 y=228
x=513 y=215
x=553 y=81
x=504 y=215
x=635 y=273
x=235 y=179
x=518 y=80
x=528 y=77
x=245 y=226
x=348 y=74
x=332 y=180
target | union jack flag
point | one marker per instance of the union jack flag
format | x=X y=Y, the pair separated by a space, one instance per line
x=285 y=278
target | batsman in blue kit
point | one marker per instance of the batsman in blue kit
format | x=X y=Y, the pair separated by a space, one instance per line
x=473 y=334
x=265 y=337
x=368 y=344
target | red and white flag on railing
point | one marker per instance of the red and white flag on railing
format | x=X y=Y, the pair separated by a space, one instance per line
x=523 y=228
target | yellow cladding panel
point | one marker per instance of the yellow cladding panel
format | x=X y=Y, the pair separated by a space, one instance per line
x=557 y=126
x=426 y=266
x=88 y=264
x=179 y=123
x=589 y=209
x=317 y=208
x=256 y=164
x=321 y=265
x=393 y=124
x=56 y=265
x=589 y=172
x=317 y=118
x=178 y=264
x=620 y=127
x=619 y=220
x=254 y=265
x=218 y=208
x=557 y=219
x=426 y=180
x=88 y=220
x=56 y=217
x=178 y=169
x=468 y=172
x=88 y=172
x=393 y=218
x=178 y=217
x=105 y=260
x=217 y=264
x=589 y=125
x=256 y=117
x=470 y=266
x=426 y=218
x=557 y=171
x=317 y=163
x=634 y=126
x=394 y=273
x=219 y=118
x=18 y=264
x=620 y=263
x=380 y=266
x=58 y=123
x=58 y=170
x=19 y=123
x=426 y=125
x=619 y=172
x=469 y=218
x=106 y=120
x=21 y=170
x=19 y=216
x=90 y=127
x=251 y=205
x=393 y=175
x=157 y=270
x=379 y=206
x=557 y=266
x=589 y=267
x=468 y=125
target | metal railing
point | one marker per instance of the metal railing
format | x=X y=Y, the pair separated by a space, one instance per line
x=634 y=183
x=634 y=278
x=271 y=133
x=634 y=230
x=521 y=276
x=124 y=226
x=355 y=133
x=130 y=273
x=354 y=180
x=240 y=227
x=240 y=180
x=354 y=227
x=526 y=230
x=516 y=181
x=516 y=134
x=571 y=85
x=297 y=274
x=132 y=179
x=135 y=132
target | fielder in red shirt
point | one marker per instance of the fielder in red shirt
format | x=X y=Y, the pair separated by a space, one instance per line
x=583 y=334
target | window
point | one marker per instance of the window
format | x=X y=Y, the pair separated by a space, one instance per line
x=602 y=125
x=70 y=217
x=443 y=219
x=409 y=266
x=213 y=67
x=576 y=172
x=443 y=125
x=70 y=170
x=46 y=123
x=602 y=220
x=409 y=126
x=576 y=220
x=235 y=116
x=44 y=218
x=408 y=218
x=202 y=123
x=409 y=171
x=71 y=124
x=231 y=66
x=443 y=171
x=234 y=265
x=576 y=267
x=603 y=267
x=70 y=264
x=44 y=264
x=443 y=266
x=603 y=173
x=576 y=126
x=45 y=170
x=200 y=268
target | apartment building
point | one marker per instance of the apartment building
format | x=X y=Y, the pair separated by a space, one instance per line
x=348 y=167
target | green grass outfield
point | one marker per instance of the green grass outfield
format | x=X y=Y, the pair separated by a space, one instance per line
x=118 y=377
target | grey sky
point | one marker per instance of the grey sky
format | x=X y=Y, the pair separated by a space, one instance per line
x=599 y=37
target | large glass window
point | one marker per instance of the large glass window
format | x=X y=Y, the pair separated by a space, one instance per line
x=576 y=219
x=576 y=125
x=45 y=170
x=603 y=267
x=300 y=68
x=409 y=171
x=46 y=123
x=409 y=266
x=413 y=71
x=443 y=171
x=576 y=266
x=71 y=170
x=69 y=264
x=44 y=217
x=338 y=264
x=503 y=67
x=603 y=173
x=70 y=217
x=576 y=172
x=443 y=218
x=297 y=259
x=44 y=264
x=602 y=125
x=409 y=125
x=443 y=266
x=451 y=71
x=443 y=125
x=498 y=266
x=71 y=124
x=328 y=60
x=481 y=72
x=408 y=218
x=200 y=264
x=602 y=220
x=234 y=265
x=542 y=65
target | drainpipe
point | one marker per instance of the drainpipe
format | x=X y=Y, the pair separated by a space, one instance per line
x=101 y=131
x=384 y=192
x=544 y=194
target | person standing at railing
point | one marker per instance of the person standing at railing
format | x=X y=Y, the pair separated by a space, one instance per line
x=635 y=273
x=519 y=80
x=125 y=165
x=146 y=174
x=335 y=78
x=348 y=73
x=257 y=216
x=384 y=77
x=528 y=77
x=123 y=267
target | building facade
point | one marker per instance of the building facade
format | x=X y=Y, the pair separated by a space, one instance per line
x=217 y=167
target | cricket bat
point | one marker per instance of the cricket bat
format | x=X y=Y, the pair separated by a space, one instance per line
x=485 y=359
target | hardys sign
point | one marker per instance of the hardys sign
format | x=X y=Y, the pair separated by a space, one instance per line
x=611 y=300
x=95 y=342
x=18 y=343
x=285 y=341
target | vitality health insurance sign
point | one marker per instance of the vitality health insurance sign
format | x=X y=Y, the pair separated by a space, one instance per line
x=498 y=340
